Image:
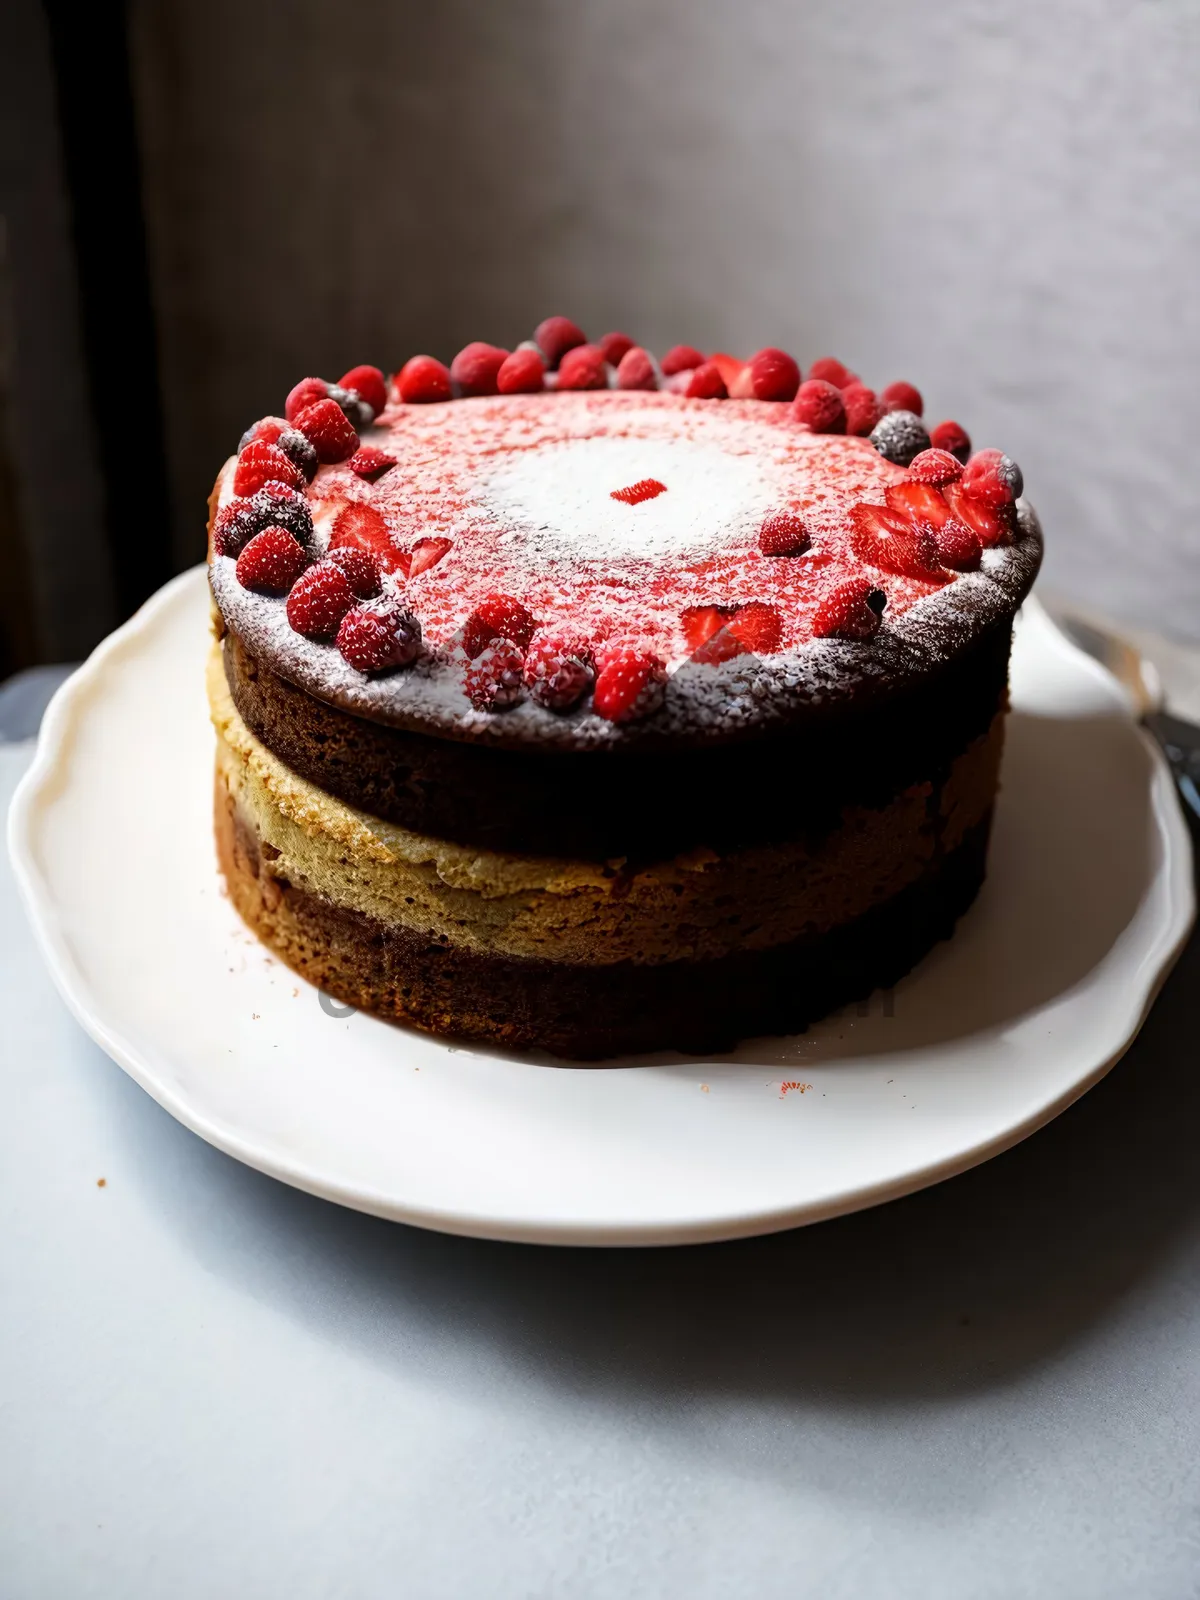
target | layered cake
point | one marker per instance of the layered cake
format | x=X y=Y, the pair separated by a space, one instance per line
x=575 y=699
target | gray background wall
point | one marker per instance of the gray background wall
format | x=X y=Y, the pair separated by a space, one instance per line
x=998 y=202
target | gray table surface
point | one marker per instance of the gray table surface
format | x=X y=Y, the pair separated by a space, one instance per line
x=215 y=1386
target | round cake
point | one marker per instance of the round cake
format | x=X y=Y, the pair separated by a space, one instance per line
x=571 y=699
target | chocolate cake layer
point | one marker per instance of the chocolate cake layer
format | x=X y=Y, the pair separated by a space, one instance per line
x=594 y=1012
x=628 y=802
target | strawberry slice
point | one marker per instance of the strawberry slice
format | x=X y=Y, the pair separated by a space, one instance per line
x=958 y=546
x=728 y=366
x=918 y=502
x=992 y=527
x=424 y=554
x=701 y=623
x=758 y=628
x=882 y=538
x=362 y=527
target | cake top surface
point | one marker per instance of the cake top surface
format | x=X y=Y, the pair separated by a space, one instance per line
x=602 y=566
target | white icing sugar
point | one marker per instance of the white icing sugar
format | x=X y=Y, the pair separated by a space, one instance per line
x=558 y=504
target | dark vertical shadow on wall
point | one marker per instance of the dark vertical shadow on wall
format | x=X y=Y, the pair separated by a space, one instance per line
x=89 y=44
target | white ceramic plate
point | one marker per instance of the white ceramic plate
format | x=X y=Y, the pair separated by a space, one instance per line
x=1088 y=901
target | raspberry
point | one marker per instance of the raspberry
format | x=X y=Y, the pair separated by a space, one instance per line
x=271 y=562
x=360 y=527
x=558 y=671
x=990 y=525
x=354 y=408
x=991 y=477
x=900 y=436
x=903 y=397
x=267 y=429
x=360 y=567
x=264 y=463
x=832 y=371
x=706 y=383
x=369 y=383
x=630 y=686
x=499 y=616
x=884 y=539
x=495 y=679
x=320 y=598
x=636 y=370
x=555 y=336
x=820 y=406
x=328 y=430
x=475 y=368
x=583 y=367
x=273 y=505
x=680 y=358
x=370 y=463
x=424 y=554
x=616 y=346
x=422 y=381
x=958 y=547
x=379 y=637
x=951 y=437
x=523 y=372
x=758 y=628
x=851 y=610
x=306 y=393
x=864 y=409
x=774 y=375
x=936 y=467
x=783 y=534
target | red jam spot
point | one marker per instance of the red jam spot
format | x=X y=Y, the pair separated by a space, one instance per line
x=644 y=489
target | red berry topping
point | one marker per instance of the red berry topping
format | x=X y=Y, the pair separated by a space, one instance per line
x=774 y=375
x=630 y=686
x=370 y=463
x=992 y=477
x=702 y=623
x=499 y=616
x=329 y=431
x=903 y=397
x=273 y=506
x=783 y=534
x=583 y=367
x=523 y=372
x=615 y=347
x=360 y=567
x=299 y=452
x=991 y=526
x=680 y=358
x=918 y=502
x=757 y=627
x=741 y=385
x=884 y=539
x=958 y=547
x=424 y=554
x=360 y=527
x=730 y=368
x=555 y=336
x=306 y=393
x=267 y=429
x=936 y=467
x=261 y=463
x=495 y=678
x=558 y=671
x=850 y=610
x=422 y=381
x=864 y=409
x=635 y=370
x=951 y=437
x=369 y=384
x=379 y=637
x=476 y=367
x=706 y=383
x=271 y=562
x=819 y=405
x=320 y=598
x=832 y=371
